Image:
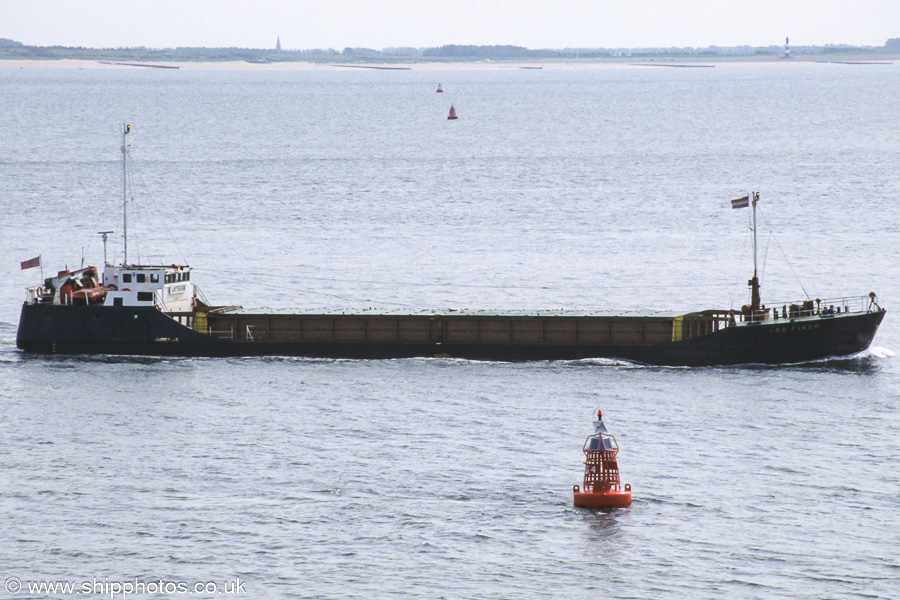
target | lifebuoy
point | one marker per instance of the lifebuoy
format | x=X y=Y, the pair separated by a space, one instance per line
x=39 y=291
x=112 y=287
x=126 y=290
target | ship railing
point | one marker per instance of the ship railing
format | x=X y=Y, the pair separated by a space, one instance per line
x=184 y=318
x=250 y=333
x=705 y=322
x=811 y=308
x=255 y=334
x=41 y=295
x=224 y=334
x=710 y=321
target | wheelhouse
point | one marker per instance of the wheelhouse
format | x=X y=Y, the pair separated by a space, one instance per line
x=169 y=288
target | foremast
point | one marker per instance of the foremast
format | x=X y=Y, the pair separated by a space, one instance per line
x=755 y=304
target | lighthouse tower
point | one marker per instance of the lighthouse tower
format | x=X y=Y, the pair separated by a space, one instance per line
x=787 y=47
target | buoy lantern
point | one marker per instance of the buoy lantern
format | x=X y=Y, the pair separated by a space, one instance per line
x=452 y=114
x=602 y=487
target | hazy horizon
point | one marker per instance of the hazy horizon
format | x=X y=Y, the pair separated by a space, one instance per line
x=428 y=23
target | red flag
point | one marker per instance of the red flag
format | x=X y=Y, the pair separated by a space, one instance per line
x=31 y=263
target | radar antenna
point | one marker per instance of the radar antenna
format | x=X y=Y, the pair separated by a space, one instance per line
x=105 y=236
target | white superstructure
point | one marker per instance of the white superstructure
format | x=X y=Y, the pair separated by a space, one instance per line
x=166 y=287
x=169 y=288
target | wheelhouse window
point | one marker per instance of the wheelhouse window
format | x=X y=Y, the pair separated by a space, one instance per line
x=154 y=277
x=126 y=278
x=141 y=278
x=145 y=296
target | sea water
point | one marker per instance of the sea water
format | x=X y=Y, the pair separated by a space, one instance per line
x=595 y=188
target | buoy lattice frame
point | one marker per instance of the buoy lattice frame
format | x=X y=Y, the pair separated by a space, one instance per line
x=601 y=469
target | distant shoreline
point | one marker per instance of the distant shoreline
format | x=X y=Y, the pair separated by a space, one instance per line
x=592 y=63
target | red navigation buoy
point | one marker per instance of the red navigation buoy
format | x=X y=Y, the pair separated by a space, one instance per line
x=440 y=90
x=602 y=487
x=452 y=114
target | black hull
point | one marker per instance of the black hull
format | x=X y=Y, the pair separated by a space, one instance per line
x=55 y=329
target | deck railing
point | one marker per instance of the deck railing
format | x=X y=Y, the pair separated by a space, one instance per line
x=709 y=321
x=812 y=308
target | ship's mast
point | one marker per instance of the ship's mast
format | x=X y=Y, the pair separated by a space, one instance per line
x=754 y=283
x=125 y=130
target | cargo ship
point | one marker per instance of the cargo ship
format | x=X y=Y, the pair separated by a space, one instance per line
x=156 y=310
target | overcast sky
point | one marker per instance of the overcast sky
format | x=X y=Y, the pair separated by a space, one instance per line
x=378 y=24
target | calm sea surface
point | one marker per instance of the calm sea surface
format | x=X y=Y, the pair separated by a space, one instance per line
x=440 y=478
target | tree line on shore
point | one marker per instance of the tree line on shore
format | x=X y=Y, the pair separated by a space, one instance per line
x=11 y=49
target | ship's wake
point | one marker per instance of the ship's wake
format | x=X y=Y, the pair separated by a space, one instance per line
x=878 y=352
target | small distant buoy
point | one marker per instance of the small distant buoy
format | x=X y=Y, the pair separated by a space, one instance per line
x=440 y=90
x=602 y=487
x=452 y=114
